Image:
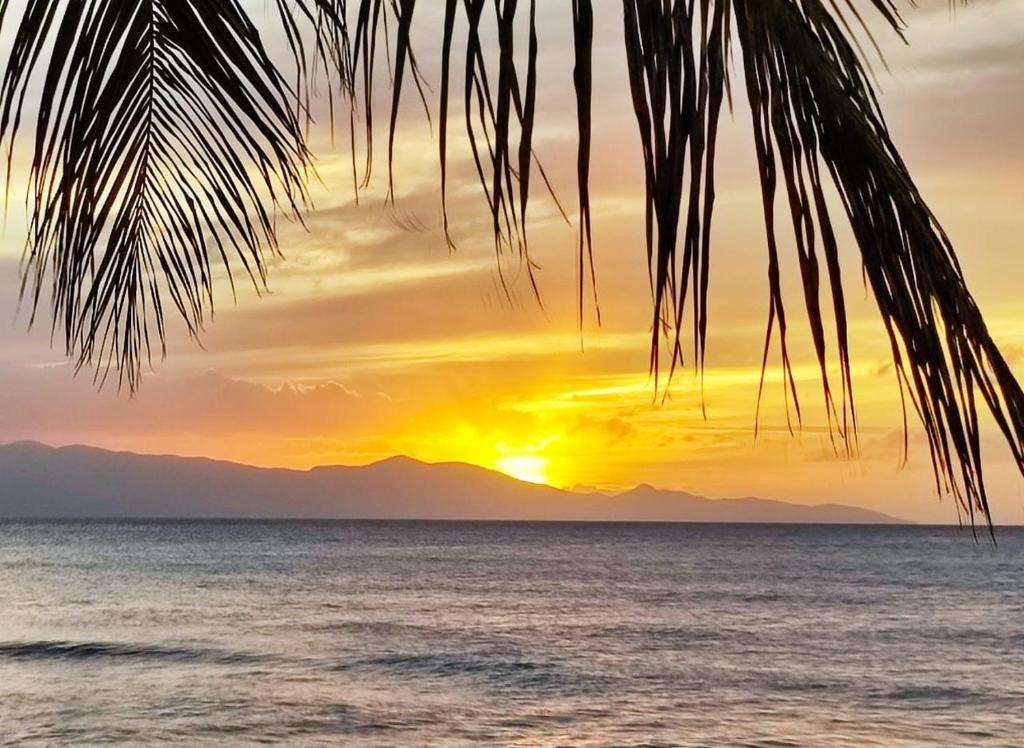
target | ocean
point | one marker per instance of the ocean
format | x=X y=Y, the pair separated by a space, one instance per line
x=526 y=634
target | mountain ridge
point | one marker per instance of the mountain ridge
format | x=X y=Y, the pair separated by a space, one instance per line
x=81 y=481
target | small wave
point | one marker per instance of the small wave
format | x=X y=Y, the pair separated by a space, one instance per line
x=66 y=650
x=658 y=637
x=931 y=693
x=785 y=685
x=511 y=672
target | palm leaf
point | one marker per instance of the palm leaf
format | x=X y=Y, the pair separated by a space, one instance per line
x=166 y=137
x=813 y=106
x=676 y=63
x=583 y=45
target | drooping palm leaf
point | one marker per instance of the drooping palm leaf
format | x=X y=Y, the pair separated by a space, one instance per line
x=165 y=137
x=582 y=75
x=676 y=62
x=813 y=106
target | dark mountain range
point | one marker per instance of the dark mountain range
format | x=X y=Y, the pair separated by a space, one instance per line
x=37 y=481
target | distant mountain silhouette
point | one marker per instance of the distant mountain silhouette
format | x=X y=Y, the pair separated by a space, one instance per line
x=37 y=481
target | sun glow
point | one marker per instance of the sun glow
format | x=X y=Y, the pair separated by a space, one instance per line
x=529 y=468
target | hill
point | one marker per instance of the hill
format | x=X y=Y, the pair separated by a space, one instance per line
x=38 y=481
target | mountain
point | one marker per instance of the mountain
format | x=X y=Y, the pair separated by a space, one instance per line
x=37 y=481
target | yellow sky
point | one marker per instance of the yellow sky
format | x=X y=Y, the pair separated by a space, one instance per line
x=375 y=340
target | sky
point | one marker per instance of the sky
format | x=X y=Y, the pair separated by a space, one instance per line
x=373 y=339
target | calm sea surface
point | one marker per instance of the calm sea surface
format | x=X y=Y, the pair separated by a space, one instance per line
x=303 y=633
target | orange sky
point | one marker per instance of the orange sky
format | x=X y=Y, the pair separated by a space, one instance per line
x=374 y=340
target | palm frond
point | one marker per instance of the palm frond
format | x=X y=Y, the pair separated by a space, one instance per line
x=583 y=47
x=494 y=116
x=165 y=137
x=676 y=59
x=813 y=106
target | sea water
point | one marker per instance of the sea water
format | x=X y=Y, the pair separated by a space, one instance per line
x=442 y=633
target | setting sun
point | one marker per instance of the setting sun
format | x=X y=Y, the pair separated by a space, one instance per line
x=529 y=468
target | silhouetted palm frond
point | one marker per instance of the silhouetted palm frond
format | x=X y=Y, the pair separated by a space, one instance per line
x=813 y=106
x=167 y=137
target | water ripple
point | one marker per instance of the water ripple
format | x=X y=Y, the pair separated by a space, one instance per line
x=89 y=650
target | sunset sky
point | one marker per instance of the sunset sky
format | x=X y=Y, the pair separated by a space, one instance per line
x=375 y=340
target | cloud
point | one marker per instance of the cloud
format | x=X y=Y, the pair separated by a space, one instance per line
x=48 y=402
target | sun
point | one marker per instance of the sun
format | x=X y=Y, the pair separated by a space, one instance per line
x=529 y=468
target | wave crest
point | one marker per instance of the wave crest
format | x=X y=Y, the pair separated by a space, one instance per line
x=68 y=650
